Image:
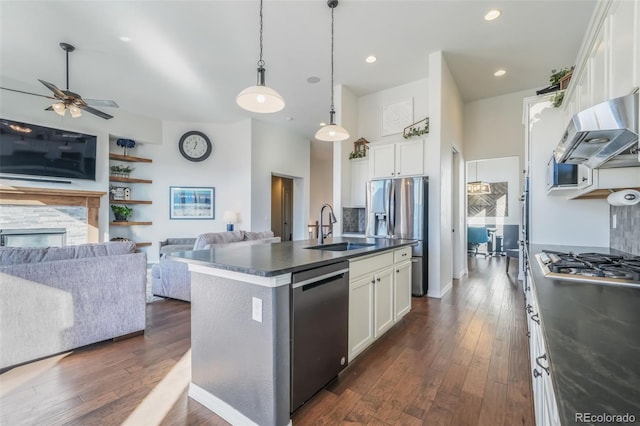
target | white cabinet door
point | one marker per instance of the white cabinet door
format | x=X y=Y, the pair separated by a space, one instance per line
x=382 y=161
x=410 y=158
x=402 y=289
x=359 y=177
x=622 y=44
x=360 y=314
x=383 y=300
x=599 y=68
x=585 y=177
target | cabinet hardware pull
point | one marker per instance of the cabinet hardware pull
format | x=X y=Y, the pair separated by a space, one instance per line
x=397 y=271
x=584 y=179
x=404 y=254
x=536 y=318
x=543 y=356
x=528 y=334
x=378 y=279
x=536 y=373
x=529 y=309
x=373 y=281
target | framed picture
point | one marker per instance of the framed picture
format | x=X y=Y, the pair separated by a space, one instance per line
x=188 y=202
x=397 y=116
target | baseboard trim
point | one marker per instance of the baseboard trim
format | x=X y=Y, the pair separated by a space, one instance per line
x=446 y=289
x=461 y=273
x=220 y=407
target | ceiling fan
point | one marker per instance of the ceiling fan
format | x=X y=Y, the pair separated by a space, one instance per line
x=67 y=100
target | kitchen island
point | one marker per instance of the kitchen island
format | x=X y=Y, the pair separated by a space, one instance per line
x=592 y=337
x=240 y=323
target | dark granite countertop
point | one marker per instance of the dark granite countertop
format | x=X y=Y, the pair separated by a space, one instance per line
x=268 y=260
x=592 y=333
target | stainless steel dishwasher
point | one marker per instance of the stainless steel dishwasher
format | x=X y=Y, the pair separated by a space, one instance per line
x=319 y=329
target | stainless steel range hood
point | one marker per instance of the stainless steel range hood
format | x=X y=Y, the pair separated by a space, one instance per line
x=605 y=135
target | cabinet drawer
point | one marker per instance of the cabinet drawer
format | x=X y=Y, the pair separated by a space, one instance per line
x=402 y=254
x=367 y=265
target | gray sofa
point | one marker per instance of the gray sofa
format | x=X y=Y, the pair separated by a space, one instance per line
x=175 y=244
x=172 y=279
x=60 y=298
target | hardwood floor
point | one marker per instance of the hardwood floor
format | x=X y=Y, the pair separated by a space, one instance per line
x=462 y=360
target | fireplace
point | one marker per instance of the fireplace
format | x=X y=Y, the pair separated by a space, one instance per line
x=39 y=237
x=75 y=211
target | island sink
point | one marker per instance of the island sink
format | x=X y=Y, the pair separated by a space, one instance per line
x=341 y=246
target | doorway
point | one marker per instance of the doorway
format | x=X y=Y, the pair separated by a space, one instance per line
x=282 y=207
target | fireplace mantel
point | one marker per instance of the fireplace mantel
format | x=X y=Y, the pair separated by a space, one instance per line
x=21 y=196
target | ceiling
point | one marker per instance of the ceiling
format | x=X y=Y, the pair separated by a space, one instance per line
x=187 y=60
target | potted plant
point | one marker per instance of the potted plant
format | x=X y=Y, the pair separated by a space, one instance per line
x=121 y=213
x=120 y=170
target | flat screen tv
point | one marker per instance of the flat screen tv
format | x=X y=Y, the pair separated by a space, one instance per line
x=27 y=149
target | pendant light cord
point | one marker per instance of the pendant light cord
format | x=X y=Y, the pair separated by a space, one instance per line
x=332 y=106
x=260 y=62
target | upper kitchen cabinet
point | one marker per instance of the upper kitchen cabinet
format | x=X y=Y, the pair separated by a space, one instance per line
x=608 y=65
x=398 y=159
x=359 y=178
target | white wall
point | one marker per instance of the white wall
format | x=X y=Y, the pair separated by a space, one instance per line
x=30 y=109
x=321 y=176
x=446 y=133
x=274 y=150
x=505 y=169
x=228 y=170
x=346 y=116
x=370 y=107
x=554 y=219
x=493 y=127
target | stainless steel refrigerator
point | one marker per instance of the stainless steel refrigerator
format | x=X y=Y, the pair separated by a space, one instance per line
x=397 y=208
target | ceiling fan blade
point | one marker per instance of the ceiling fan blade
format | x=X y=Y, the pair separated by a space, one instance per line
x=57 y=92
x=95 y=112
x=27 y=93
x=101 y=103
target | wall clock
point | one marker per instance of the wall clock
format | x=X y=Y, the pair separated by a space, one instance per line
x=195 y=146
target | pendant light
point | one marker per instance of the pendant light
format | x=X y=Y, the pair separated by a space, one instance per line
x=332 y=132
x=260 y=98
x=478 y=187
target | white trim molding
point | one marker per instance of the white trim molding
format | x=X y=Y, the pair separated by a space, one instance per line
x=271 y=282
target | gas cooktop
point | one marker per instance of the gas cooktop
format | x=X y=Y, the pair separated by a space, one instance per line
x=599 y=268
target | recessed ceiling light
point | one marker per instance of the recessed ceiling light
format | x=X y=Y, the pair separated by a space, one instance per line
x=499 y=73
x=492 y=14
x=371 y=59
x=313 y=79
x=323 y=124
x=125 y=39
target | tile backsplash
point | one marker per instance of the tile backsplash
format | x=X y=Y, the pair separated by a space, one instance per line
x=626 y=235
x=353 y=219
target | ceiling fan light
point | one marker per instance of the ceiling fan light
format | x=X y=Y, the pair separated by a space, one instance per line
x=261 y=99
x=332 y=133
x=75 y=111
x=60 y=108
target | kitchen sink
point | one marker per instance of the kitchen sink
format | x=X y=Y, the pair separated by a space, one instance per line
x=341 y=246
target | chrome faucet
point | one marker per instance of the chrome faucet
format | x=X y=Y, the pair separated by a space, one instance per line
x=332 y=219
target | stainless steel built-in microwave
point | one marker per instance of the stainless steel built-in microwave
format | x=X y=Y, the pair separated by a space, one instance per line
x=561 y=175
